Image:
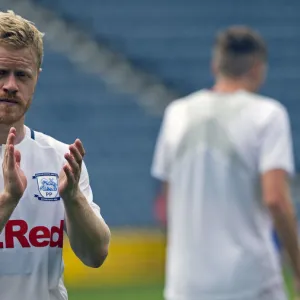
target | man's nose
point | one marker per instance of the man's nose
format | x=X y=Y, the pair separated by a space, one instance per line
x=10 y=85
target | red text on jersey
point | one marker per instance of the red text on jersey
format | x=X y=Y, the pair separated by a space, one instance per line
x=40 y=236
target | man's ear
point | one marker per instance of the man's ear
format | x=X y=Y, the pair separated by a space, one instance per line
x=214 y=68
x=39 y=72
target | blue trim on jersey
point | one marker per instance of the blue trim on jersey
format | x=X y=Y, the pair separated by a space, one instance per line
x=32 y=134
x=276 y=241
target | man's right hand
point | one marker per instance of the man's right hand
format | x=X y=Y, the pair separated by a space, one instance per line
x=15 y=181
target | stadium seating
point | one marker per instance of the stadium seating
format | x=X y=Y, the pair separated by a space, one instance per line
x=117 y=133
x=172 y=40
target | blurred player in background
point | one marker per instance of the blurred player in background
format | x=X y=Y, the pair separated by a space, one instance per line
x=44 y=184
x=225 y=157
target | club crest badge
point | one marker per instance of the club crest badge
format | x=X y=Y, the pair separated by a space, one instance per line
x=47 y=186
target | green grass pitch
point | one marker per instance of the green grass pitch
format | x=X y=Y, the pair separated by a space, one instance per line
x=139 y=293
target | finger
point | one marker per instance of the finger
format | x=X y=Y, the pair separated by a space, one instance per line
x=69 y=174
x=11 y=136
x=75 y=168
x=17 y=157
x=10 y=141
x=76 y=154
x=13 y=130
x=80 y=147
x=11 y=157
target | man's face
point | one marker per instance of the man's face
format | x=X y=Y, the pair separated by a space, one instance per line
x=18 y=78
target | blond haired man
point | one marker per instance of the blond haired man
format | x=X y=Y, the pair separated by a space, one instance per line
x=44 y=185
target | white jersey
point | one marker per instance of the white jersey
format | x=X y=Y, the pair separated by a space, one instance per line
x=31 y=266
x=211 y=149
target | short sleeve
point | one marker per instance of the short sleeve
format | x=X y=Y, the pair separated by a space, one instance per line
x=161 y=159
x=276 y=148
x=84 y=185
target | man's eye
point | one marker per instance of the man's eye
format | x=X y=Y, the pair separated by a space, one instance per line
x=20 y=74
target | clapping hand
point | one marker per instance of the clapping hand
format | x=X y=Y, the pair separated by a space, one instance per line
x=15 y=181
x=70 y=174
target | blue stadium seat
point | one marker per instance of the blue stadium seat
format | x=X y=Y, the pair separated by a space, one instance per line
x=117 y=133
x=170 y=39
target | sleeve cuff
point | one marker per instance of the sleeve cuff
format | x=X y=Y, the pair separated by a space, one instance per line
x=160 y=175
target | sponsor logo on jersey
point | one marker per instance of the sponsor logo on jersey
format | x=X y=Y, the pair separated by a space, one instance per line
x=16 y=232
x=47 y=186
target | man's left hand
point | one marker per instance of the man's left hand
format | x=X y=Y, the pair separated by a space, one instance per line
x=70 y=174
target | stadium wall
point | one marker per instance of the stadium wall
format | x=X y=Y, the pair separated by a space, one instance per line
x=136 y=257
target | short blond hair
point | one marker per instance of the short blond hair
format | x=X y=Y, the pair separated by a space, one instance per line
x=20 y=33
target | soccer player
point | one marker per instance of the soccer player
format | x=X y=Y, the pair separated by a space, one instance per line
x=44 y=184
x=225 y=157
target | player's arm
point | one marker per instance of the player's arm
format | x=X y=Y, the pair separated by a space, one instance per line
x=165 y=190
x=87 y=231
x=276 y=195
x=276 y=165
x=162 y=157
x=7 y=206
